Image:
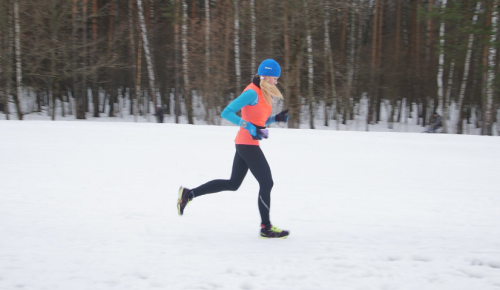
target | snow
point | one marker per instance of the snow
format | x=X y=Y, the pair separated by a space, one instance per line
x=92 y=205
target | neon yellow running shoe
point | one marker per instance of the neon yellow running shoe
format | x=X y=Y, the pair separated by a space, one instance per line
x=185 y=197
x=271 y=232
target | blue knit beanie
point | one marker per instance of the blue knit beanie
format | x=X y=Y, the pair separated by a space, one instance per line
x=270 y=68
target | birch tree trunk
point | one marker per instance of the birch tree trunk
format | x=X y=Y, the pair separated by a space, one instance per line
x=19 y=87
x=149 y=62
x=185 y=63
x=488 y=104
x=237 y=47
x=310 y=67
x=466 y=73
x=440 y=75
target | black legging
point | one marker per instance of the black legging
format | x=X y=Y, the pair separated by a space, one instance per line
x=246 y=157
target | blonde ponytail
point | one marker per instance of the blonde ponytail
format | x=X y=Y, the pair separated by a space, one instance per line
x=269 y=91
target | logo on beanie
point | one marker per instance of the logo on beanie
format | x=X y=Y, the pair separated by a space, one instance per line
x=268 y=68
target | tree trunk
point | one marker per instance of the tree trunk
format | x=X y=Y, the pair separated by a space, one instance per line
x=343 y=37
x=329 y=61
x=138 y=81
x=227 y=45
x=295 y=45
x=440 y=75
x=378 y=72
x=417 y=51
x=132 y=54
x=237 y=46
x=207 y=91
x=149 y=62
x=54 y=81
x=177 y=105
x=373 y=89
x=253 y=40
x=310 y=67
x=19 y=87
x=357 y=86
x=207 y=39
x=287 y=48
x=397 y=60
x=3 y=96
x=84 y=56
x=185 y=63
x=350 y=62
x=492 y=53
x=460 y=102
x=5 y=61
x=447 y=97
x=95 y=85
x=429 y=94
x=76 y=89
x=56 y=94
x=326 y=100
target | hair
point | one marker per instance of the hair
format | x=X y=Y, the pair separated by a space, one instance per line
x=269 y=91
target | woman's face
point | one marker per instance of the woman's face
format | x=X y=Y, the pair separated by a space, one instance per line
x=271 y=80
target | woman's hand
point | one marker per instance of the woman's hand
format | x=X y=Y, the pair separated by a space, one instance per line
x=282 y=116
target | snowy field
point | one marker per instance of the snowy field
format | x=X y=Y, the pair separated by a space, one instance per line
x=91 y=205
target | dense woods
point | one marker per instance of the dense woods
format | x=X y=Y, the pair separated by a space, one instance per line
x=339 y=58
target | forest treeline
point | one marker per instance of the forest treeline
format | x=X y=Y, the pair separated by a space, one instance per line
x=410 y=57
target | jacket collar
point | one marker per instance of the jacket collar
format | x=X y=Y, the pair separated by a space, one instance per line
x=256 y=81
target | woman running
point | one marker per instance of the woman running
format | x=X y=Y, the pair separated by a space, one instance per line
x=255 y=104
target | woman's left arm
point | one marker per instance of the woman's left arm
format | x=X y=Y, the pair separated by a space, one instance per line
x=271 y=120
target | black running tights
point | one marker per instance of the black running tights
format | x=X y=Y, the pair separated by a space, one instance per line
x=246 y=157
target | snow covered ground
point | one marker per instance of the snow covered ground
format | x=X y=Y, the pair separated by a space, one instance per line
x=91 y=205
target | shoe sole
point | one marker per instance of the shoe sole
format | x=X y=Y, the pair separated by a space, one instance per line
x=178 y=201
x=262 y=237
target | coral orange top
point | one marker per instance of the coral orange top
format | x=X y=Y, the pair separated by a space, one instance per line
x=257 y=115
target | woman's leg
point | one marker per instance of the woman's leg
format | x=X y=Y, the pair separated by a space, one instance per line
x=257 y=163
x=238 y=173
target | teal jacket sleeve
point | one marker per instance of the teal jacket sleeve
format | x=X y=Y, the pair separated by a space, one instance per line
x=270 y=120
x=247 y=98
